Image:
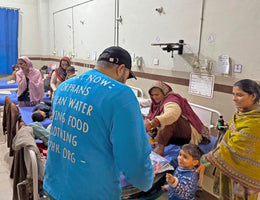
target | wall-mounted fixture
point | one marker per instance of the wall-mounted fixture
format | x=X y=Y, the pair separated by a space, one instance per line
x=159 y=10
x=69 y=25
x=119 y=19
x=139 y=61
x=82 y=22
x=170 y=47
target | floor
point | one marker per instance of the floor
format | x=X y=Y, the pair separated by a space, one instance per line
x=5 y=166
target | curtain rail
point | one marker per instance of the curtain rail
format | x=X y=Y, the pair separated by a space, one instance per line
x=10 y=8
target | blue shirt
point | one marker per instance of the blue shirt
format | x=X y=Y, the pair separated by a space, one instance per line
x=97 y=133
x=187 y=181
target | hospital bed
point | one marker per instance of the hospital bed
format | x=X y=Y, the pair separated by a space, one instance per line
x=13 y=96
x=13 y=120
x=4 y=86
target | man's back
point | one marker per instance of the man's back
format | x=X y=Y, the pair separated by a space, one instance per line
x=97 y=132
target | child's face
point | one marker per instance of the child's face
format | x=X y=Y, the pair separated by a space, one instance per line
x=186 y=161
x=69 y=73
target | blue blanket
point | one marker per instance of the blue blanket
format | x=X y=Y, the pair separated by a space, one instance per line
x=5 y=85
x=12 y=96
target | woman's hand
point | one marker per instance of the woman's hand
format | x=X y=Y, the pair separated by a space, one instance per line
x=25 y=71
x=148 y=125
x=200 y=170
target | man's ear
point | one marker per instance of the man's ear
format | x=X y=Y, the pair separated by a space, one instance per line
x=120 y=69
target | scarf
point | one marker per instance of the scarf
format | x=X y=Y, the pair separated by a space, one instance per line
x=35 y=81
x=157 y=108
x=238 y=154
x=60 y=72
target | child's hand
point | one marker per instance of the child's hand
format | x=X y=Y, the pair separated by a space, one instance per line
x=170 y=178
x=165 y=188
x=155 y=144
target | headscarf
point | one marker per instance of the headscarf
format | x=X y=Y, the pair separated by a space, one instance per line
x=169 y=96
x=35 y=81
x=238 y=154
x=61 y=73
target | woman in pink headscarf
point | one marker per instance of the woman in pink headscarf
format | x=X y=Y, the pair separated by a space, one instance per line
x=30 y=84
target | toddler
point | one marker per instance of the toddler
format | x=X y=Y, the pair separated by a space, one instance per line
x=183 y=183
x=70 y=72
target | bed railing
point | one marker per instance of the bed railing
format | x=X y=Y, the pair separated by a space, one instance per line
x=205 y=114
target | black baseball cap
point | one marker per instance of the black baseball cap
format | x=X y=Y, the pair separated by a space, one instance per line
x=119 y=56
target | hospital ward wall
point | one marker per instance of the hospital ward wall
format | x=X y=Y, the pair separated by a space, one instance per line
x=82 y=29
x=228 y=28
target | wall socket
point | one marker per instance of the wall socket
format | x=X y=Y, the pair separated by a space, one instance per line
x=237 y=68
x=156 y=61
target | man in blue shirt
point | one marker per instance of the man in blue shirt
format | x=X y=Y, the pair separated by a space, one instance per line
x=97 y=133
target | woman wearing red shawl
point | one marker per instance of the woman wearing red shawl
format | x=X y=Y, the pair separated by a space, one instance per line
x=172 y=117
x=59 y=74
x=30 y=84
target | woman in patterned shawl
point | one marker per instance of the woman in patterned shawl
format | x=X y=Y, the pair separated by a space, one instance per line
x=237 y=157
x=59 y=74
x=173 y=117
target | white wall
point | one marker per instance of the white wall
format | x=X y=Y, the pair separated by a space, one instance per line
x=233 y=27
x=229 y=27
x=44 y=26
x=82 y=27
x=29 y=32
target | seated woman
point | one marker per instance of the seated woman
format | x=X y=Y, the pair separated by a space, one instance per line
x=171 y=120
x=30 y=84
x=59 y=74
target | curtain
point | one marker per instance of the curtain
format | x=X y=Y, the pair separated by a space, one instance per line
x=8 y=40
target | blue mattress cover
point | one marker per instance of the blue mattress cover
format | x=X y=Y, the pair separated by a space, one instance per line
x=5 y=85
x=12 y=96
x=26 y=113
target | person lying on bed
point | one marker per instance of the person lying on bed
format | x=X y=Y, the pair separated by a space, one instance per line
x=171 y=120
x=42 y=111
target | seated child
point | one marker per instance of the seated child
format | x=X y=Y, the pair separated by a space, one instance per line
x=15 y=69
x=183 y=183
x=41 y=111
x=70 y=72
